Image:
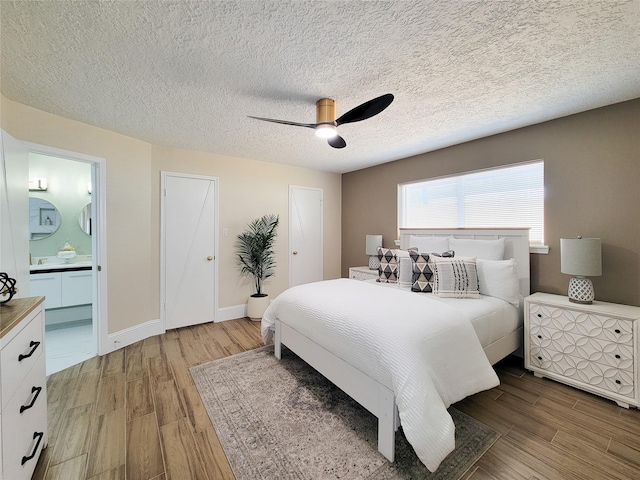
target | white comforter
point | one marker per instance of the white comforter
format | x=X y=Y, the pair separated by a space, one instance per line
x=421 y=348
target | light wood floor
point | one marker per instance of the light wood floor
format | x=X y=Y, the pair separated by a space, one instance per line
x=136 y=414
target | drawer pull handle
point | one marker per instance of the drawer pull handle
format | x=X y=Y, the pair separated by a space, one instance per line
x=34 y=346
x=617 y=330
x=35 y=390
x=618 y=356
x=539 y=336
x=39 y=436
x=539 y=358
x=618 y=382
x=539 y=315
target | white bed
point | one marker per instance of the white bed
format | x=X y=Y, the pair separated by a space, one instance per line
x=356 y=375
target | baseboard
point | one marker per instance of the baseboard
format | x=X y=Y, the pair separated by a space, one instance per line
x=54 y=316
x=136 y=333
x=131 y=335
x=230 y=313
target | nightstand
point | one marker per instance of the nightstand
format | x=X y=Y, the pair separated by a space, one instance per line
x=592 y=347
x=363 y=273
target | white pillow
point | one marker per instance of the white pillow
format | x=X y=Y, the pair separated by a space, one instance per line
x=405 y=270
x=429 y=244
x=405 y=267
x=499 y=278
x=485 y=249
x=404 y=253
x=455 y=277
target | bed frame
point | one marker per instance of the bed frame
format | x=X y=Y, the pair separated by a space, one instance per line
x=375 y=397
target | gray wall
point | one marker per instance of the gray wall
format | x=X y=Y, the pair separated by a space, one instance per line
x=592 y=188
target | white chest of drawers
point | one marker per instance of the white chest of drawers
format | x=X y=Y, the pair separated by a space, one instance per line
x=593 y=347
x=23 y=396
x=362 y=273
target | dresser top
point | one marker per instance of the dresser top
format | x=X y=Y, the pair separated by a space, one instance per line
x=12 y=312
x=595 y=307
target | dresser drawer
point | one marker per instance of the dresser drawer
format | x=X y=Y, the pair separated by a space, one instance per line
x=19 y=356
x=21 y=429
x=595 y=350
x=581 y=324
x=363 y=273
x=608 y=378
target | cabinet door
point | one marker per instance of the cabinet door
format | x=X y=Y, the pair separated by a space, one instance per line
x=77 y=288
x=47 y=285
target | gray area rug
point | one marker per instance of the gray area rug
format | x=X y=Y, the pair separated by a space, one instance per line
x=283 y=420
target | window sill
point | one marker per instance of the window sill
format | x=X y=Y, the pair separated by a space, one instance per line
x=541 y=249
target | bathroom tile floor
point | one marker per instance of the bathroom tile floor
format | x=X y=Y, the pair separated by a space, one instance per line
x=68 y=345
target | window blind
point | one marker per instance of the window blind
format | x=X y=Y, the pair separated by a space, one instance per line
x=505 y=197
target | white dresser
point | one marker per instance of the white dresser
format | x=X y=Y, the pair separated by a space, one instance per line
x=592 y=347
x=362 y=273
x=23 y=413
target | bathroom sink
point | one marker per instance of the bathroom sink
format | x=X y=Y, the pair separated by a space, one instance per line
x=60 y=266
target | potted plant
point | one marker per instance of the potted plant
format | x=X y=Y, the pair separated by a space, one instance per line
x=256 y=259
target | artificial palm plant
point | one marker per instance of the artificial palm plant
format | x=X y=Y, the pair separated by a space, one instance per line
x=256 y=257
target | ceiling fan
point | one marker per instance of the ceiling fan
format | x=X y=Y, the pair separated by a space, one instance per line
x=326 y=122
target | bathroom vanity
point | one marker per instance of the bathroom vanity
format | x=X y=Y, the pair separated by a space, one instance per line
x=63 y=285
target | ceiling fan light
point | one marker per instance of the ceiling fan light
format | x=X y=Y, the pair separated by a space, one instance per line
x=326 y=130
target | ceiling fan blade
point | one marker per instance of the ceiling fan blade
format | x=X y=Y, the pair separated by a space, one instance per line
x=285 y=122
x=337 y=142
x=366 y=110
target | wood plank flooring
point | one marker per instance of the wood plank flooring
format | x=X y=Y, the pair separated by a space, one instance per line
x=135 y=414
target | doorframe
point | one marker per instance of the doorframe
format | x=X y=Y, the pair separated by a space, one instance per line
x=100 y=323
x=321 y=190
x=163 y=278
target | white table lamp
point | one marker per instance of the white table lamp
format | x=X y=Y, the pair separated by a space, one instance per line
x=373 y=242
x=581 y=257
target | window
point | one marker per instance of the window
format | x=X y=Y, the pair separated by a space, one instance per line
x=508 y=197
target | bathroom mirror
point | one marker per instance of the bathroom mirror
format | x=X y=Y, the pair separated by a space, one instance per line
x=44 y=218
x=84 y=219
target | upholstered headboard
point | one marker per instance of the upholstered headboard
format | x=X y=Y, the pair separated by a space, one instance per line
x=516 y=245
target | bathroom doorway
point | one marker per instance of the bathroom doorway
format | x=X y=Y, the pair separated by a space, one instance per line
x=66 y=219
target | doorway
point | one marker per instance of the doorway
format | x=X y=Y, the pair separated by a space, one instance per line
x=189 y=292
x=305 y=235
x=67 y=249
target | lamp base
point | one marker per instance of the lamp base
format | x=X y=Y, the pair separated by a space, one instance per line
x=581 y=290
x=374 y=262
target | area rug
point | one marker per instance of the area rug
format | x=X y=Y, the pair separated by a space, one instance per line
x=283 y=420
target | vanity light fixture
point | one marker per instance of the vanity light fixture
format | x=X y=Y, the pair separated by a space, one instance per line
x=37 y=184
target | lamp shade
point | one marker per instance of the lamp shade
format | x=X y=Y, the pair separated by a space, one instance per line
x=581 y=256
x=373 y=242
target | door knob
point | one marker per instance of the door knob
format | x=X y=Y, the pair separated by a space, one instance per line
x=209 y=258
x=295 y=252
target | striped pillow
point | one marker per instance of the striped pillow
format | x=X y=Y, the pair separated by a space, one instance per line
x=455 y=277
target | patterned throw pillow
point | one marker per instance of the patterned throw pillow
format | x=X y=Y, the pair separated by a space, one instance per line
x=388 y=269
x=422 y=274
x=422 y=279
x=456 y=278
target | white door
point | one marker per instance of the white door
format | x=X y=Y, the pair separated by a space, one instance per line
x=14 y=211
x=189 y=249
x=305 y=235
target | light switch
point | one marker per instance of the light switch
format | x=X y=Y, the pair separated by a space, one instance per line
x=225 y=232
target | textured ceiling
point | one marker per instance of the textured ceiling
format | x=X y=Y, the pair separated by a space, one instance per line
x=188 y=74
